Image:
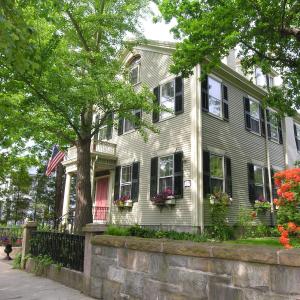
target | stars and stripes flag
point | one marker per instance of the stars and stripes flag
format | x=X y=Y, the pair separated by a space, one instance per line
x=56 y=157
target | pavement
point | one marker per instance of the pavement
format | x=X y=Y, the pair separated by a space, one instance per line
x=17 y=284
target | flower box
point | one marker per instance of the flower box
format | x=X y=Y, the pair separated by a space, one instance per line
x=128 y=203
x=171 y=201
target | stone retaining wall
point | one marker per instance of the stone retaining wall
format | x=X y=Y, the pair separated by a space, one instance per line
x=68 y=277
x=135 y=268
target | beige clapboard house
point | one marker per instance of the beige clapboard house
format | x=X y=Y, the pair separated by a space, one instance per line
x=214 y=139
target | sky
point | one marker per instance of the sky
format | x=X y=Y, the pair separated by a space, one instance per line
x=158 y=31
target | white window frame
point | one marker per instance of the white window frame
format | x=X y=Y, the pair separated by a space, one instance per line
x=125 y=120
x=98 y=135
x=128 y=183
x=298 y=131
x=263 y=180
x=254 y=118
x=272 y=111
x=159 y=177
x=220 y=100
x=172 y=114
x=223 y=169
x=135 y=64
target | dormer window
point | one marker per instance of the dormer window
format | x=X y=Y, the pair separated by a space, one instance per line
x=134 y=70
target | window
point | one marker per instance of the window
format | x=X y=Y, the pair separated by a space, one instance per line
x=134 y=74
x=297 y=135
x=216 y=173
x=261 y=79
x=273 y=128
x=166 y=173
x=127 y=125
x=105 y=131
x=271 y=81
x=255 y=116
x=126 y=179
x=167 y=99
x=214 y=97
x=259 y=182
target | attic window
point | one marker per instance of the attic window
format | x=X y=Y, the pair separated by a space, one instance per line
x=134 y=70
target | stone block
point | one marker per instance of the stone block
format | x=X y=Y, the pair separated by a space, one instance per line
x=108 y=240
x=224 y=292
x=100 y=266
x=110 y=290
x=285 y=280
x=116 y=274
x=133 y=260
x=177 y=260
x=96 y=287
x=290 y=257
x=158 y=266
x=187 y=248
x=134 y=284
x=265 y=255
x=221 y=266
x=198 y=263
x=110 y=252
x=149 y=245
x=251 y=275
x=250 y=294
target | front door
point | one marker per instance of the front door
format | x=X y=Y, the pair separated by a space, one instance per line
x=101 y=202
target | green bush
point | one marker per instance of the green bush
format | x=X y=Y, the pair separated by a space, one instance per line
x=17 y=261
x=116 y=230
x=41 y=264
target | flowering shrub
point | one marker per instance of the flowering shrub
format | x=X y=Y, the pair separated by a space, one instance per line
x=219 y=206
x=288 y=216
x=161 y=198
x=121 y=202
x=262 y=205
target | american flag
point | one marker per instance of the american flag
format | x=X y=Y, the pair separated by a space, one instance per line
x=56 y=157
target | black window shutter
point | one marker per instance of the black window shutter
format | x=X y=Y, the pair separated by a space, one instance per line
x=251 y=185
x=274 y=189
x=155 y=114
x=262 y=121
x=117 y=183
x=178 y=174
x=135 y=181
x=204 y=94
x=120 y=127
x=178 y=95
x=280 y=131
x=266 y=183
x=225 y=103
x=206 y=173
x=109 y=126
x=296 y=139
x=228 y=176
x=268 y=124
x=247 y=113
x=138 y=116
x=153 y=176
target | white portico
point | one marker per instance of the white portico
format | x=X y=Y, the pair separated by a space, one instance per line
x=103 y=162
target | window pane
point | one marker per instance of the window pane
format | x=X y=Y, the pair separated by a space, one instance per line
x=254 y=125
x=167 y=99
x=260 y=77
x=128 y=125
x=298 y=131
x=166 y=166
x=259 y=192
x=134 y=74
x=215 y=106
x=216 y=185
x=216 y=166
x=102 y=133
x=258 y=175
x=126 y=174
x=274 y=132
x=126 y=190
x=214 y=88
x=168 y=90
x=165 y=184
x=254 y=109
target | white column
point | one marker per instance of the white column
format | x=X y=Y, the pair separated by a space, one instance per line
x=66 y=198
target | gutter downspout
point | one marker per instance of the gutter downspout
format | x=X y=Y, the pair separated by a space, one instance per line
x=269 y=160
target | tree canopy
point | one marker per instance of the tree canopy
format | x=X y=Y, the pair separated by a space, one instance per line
x=267 y=34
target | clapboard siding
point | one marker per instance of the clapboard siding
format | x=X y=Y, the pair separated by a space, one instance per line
x=174 y=134
x=240 y=145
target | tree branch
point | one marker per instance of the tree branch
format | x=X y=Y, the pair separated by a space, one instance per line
x=79 y=31
x=292 y=31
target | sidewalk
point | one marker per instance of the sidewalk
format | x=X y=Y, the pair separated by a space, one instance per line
x=17 y=284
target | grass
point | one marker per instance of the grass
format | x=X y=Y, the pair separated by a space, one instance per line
x=266 y=241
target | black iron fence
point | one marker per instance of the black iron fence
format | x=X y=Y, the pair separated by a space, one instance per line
x=11 y=235
x=66 y=249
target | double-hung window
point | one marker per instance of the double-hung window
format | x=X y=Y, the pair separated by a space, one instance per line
x=167 y=99
x=134 y=74
x=297 y=135
x=259 y=183
x=126 y=125
x=215 y=97
x=166 y=173
x=255 y=116
x=273 y=128
x=126 y=181
x=217 y=173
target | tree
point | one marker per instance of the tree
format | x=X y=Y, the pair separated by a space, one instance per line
x=66 y=64
x=267 y=34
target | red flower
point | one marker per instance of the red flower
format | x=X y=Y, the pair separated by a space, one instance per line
x=280 y=228
x=289 y=196
x=284 y=233
x=279 y=192
x=292 y=226
x=253 y=214
x=285 y=187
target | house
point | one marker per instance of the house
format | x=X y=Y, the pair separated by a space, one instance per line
x=215 y=138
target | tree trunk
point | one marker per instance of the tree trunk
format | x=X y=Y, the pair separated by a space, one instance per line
x=83 y=213
x=59 y=187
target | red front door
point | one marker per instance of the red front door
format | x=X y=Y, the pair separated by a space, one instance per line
x=101 y=207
